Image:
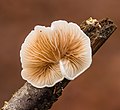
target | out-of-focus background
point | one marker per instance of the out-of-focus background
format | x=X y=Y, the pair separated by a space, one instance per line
x=99 y=87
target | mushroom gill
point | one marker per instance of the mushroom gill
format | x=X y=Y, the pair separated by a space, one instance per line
x=50 y=54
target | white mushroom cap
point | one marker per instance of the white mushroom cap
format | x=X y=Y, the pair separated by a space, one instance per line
x=50 y=54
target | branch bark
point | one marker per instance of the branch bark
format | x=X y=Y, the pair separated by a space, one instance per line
x=31 y=98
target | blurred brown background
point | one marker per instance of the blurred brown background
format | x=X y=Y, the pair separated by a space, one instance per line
x=99 y=87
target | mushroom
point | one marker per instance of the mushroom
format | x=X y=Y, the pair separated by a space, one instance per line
x=50 y=54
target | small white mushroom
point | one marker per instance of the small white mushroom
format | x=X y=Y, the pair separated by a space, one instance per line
x=50 y=54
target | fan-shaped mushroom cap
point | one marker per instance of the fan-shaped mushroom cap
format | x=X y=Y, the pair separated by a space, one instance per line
x=50 y=54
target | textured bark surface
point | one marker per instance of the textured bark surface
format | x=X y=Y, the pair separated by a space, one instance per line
x=31 y=98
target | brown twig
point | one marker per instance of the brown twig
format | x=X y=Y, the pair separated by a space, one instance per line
x=31 y=98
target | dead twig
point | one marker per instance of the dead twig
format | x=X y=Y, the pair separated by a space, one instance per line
x=31 y=98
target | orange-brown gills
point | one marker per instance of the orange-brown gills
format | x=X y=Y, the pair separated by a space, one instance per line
x=50 y=54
